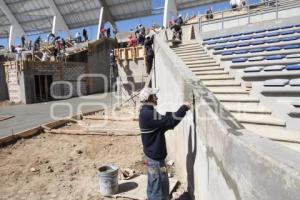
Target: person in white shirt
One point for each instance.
(235, 4)
(19, 52)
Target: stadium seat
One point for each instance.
(257, 42)
(226, 53)
(239, 60)
(222, 41)
(287, 32)
(253, 69)
(216, 38)
(256, 50)
(297, 31)
(211, 43)
(293, 67)
(276, 82)
(227, 36)
(272, 34)
(219, 48)
(260, 31)
(258, 36)
(289, 39)
(273, 29)
(275, 57)
(273, 49)
(241, 51)
(293, 56)
(295, 82)
(291, 46)
(244, 44)
(249, 33)
(297, 25)
(230, 46)
(233, 40)
(237, 34)
(286, 27)
(273, 40)
(274, 68)
(257, 58)
(207, 39)
(246, 38)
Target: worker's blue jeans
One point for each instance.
(158, 182)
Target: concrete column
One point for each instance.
(14, 33)
(59, 24)
(170, 11)
(103, 18)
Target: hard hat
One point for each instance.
(146, 92)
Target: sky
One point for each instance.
(126, 25)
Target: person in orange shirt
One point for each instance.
(132, 42)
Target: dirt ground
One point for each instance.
(56, 166)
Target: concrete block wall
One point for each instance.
(21, 80)
(214, 155)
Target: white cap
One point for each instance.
(179, 15)
(146, 92)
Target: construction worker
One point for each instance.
(149, 53)
(153, 127)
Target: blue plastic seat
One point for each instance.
(261, 31)
(222, 41)
(291, 46)
(211, 43)
(226, 53)
(297, 25)
(233, 40)
(207, 39)
(273, 48)
(293, 67)
(286, 27)
(241, 51)
(239, 60)
(219, 48)
(258, 36)
(256, 50)
(273, 40)
(230, 46)
(244, 44)
(249, 33)
(297, 31)
(257, 42)
(289, 38)
(227, 36)
(273, 29)
(216, 38)
(287, 32)
(237, 34)
(246, 38)
(272, 34)
(275, 57)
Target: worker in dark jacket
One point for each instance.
(153, 127)
(149, 52)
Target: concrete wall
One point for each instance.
(3, 85)
(98, 65)
(214, 155)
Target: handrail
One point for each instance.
(279, 5)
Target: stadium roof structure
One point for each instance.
(40, 16)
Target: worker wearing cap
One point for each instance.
(153, 126)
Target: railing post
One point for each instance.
(277, 10)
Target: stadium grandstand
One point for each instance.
(72, 108)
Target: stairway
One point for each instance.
(245, 108)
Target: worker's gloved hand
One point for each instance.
(188, 104)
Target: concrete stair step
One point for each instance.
(220, 72)
(216, 77)
(236, 98)
(202, 65)
(258, 119)
(188, 44)
(221, 83)
(191, 53)
(253, 109)
(206, 69)
(189, 49)
(207, 61)
(229, 90)
(188, 56)
(197, 59)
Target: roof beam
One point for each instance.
(16, 30)
(59, 23)
(108, 14)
